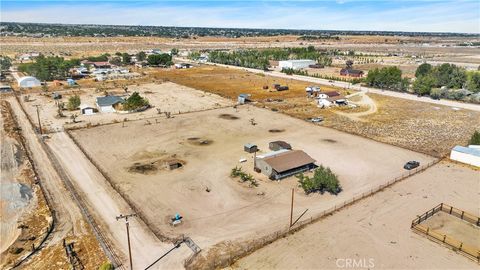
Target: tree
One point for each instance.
(349, 64)
(73, 103)
(324, 60)
(126, 58)
(423, 85)
(135, 101)
(116, 61)
(159, 59)
(174, 51)
(473, 82)
(141, 56)
(423, 70)
(48, 68)
(5, 62)
(475, 140)
(323, 180)
(387, 78)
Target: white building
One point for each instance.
(296, 64)
(107, 104)
(468, 155)
(28, 81)
(87, 109)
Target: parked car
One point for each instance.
(411, 165)
(316, 119)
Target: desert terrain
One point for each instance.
(378, 228)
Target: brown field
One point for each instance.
(209, 144)
(424, 127)
(378, 228)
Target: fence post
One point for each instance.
(441, 206)
(428, 229)
(463, 212)
(451, 208)
(460, 247)
(444, 237)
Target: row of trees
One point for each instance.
(49, 68)
(445, 75)
(387, 78)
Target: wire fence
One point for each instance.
(457, 245)
(241, 249)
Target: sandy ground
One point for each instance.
(231, 210)
(167, 97)
(378, 228)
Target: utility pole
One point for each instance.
(291, 209)
(128, 235)
(38, 118)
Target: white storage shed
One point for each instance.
(296, 64)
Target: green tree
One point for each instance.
(475, 140)
(141, 56)
(48, 68)
(323, 180)
(159, 59)
(73, 103)
(5, 62)
(174, 51)
(423, 85)
(423, 70)
(473, 82)
(135, 101)
(116, 61)
(126, 58)
(387, 78)
(106, 266)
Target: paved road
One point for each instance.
(450, 103)
(106, 204)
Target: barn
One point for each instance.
(284, 163)
(296, 64)
(468, 155)
(28, 81)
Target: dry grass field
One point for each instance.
(424, 127)
(209, 144)
(378, 228)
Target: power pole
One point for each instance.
(291, 209)
(38, 118)
(128, 235)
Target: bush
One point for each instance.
(135, 101)
(244, 177)
(73, 103)
(106, 266)
(323, 180)
(475, 140)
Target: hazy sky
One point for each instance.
(435, 16)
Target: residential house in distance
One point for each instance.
(284, 163)
(351, 72)
(327, 99)
(109, 103)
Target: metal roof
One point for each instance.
(467, 150)
(288, 160)
(109, 100)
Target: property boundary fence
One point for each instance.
(103, 241)
(465, 249)
(240, 249)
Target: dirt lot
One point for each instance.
(456, 228)
(424, 127)
(209, 144)
(167, 97)
(378, 228)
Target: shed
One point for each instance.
(28, 81)
(296, 64)
(351, 72)
(5, 88)
(284, 163)
(250, 148)
(468, 155)
(243, 98)
(278, 145)
(108, 103)
(87, 109)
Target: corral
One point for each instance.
(378, 228)
(216, 207)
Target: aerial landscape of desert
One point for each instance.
(237, 143)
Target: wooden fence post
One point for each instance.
(444, 237)
(461, 245)
(428, 229)
(451, 208)
(463, 212)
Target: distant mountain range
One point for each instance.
(46, 29)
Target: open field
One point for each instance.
(167, 97)
(378, 228)
(209, 144)
(429, 128)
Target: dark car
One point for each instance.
(411, 165)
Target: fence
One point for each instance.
(465, 249)
(241, 249)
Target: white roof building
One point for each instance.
(28, 81)
(468, 155)
(296, 64)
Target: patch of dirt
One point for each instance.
(228, 116)
(276, 130)
(147, 168)
(329, 140)
(200, 141)
(153, 166)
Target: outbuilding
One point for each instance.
(250, 148)
(5, 88)
(351, 72)
(108, 103)
(243, 98)
(28, 81)
(284, 163)
(87, 109)
(468, 155)
(296, 64)
(279, 145)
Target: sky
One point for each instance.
(460, 16)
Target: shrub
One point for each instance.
(323, 180)
(73, 103)
(135, 101)
(475, 140)
(106, 266)
(244, 177)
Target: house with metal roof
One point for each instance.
(468, 155)
(109, 103)
(284, 163)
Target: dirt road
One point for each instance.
(105, 204)
(67, 213)
(451, 103)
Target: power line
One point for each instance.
(121, 216)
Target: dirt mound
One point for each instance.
(145, 168)
(199, 141)
(329, 140)
(228, 116)
(274, 130)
